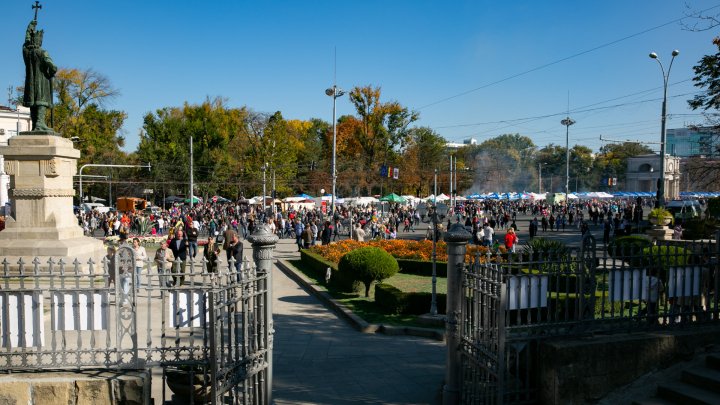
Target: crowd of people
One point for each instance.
(312, 226)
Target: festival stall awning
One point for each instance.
(393, 198)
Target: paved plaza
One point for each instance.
(321, 359)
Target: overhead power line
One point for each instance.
(535, 69)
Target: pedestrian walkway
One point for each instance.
(320, 359)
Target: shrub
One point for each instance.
(698, 228)
(318, 265)
(422, 268)
(368, 264)
(391, 300)
(541, 247)
(625, 247)
(659, 214)
(664, 257)
(713, 207)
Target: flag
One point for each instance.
(383, 171)
(396, 173)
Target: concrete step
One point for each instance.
(703, 377)
(713, 361)
(687, 394)
(653, 401)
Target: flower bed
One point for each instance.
(398, 248)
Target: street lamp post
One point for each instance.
(540, 165)
(434, 216)
(666, 75)
(264, 206)
(334, 92)
(567, 122)
(192, 185)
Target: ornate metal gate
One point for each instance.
(208, 330)
(482, 329)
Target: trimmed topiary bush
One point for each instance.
(318, 265)
(368, 264)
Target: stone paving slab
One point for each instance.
(321, 359)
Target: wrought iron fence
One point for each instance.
(511, 302)
(209, 328)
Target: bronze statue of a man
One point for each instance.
(39, 73)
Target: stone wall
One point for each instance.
(579, 371)
(79, 388)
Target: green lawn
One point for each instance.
(366, 308)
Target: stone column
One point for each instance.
(42, 223)
(456, 239)
(263, 243)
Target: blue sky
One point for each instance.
(278, 55)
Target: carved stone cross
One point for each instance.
(36, 7)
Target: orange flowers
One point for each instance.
(398, 248)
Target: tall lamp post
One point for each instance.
(540, 165)
(665, 75)
(334, 92)
(434, 215)
(567, 122)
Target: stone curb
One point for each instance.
(345, 313)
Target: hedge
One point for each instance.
(422, 267)
(318, 265)
(391, 300)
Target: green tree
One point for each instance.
(612, 159)
(705, 171)
(500, 163)
(79, 113)
(384, 127)
(215, 130)
(424, 152)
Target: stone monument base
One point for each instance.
(42, 224)
(660, 232)
(83, 249)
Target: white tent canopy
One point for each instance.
(361, 200)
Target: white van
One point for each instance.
(684, 209)
(87, 207)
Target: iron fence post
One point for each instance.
(456, 239)
(263, 243)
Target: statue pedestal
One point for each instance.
(660, 232)
(43, 225)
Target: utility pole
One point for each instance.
(191, 171)
(264, 169)
(567, 122)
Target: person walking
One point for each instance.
(179, 248)
(163, 261)
(192, 238)
(511, 240)
(359, 233)
(141, 257)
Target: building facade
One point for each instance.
(692, 142)
(12, 121)
(643, 173)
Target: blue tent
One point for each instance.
(305, 196)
